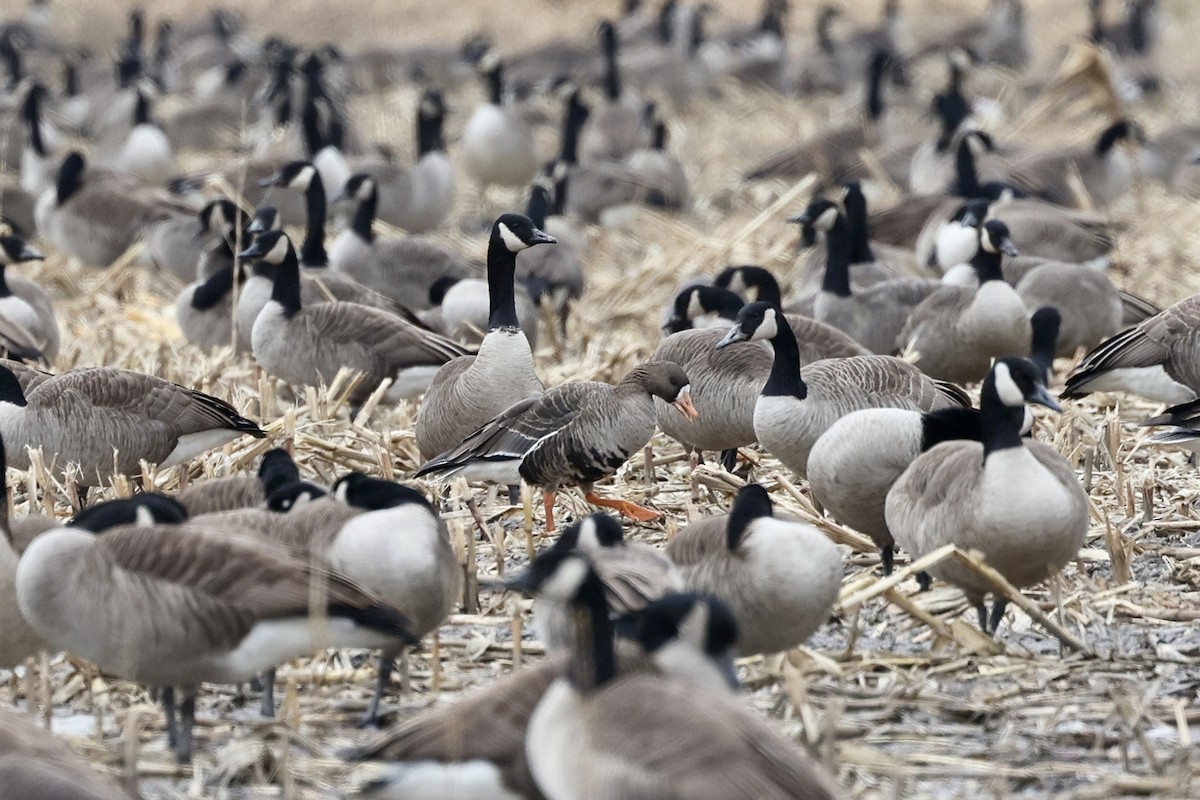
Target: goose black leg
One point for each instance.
(981, 609)
(187, 719)
(729, 459)
(998, 607)
(387, 662)
(268, 693)
(167, 698)
(887, 557)
(514, 494)
(924, 581)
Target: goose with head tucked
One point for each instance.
(597, 733)
(957, 331)
(469, 391)
(797, 405)
(1016, 501)
(308, 345)
(1105, 168)
(82, 416)
(780, 576)
(572, 435)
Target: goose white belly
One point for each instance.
(191, 445)
(253, 297)
(433, 185)
(1152, 383)
(554, 742)
(147, 155)
(997, 323)
(497, 147)
(275, 641)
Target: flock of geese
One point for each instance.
(851, 369)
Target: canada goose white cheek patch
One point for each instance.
(511, 240)
(303, 178)
(769, 327)
(566, 580)
(1010, 394)
(278, 251)
(694, 309)
(826, 219)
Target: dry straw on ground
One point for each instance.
(1090, 692)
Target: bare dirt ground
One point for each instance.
(899, 694)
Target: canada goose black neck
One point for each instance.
(1000, 424)
(141, 109)
(752, 503)
(948, 425)
(1045, 323)
(70, 78)
(32, 111)
(538, 205)
(659, 139)
(4, 290)
(70, 177)
(860, 228)
(495, 79)
(364, 215)
(1121, 129)
(574, 116)
(312, 252)
(879, 64)
(10, 388)
(594, 663)
(1139, 29)
(213, 290)
(429, 126)
(666, 21)
(824, 36)
(310, 128)
(785, 380)
(12, 58)
(501, 270)
(285, 288)
(966, 176)
(612, 69)
(838, 254)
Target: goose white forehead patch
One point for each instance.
(1010, 394)
(566, 579)
(511, 240)
(826, 219)
(303, 177)
(278, 251)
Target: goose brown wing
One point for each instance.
(394, 340)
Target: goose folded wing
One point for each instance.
(16, 340)
(398, 342)
(29, 377)
(634, 576)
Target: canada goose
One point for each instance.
(1017, 502)
(779, 576)
(18, 641)
(597, 734)
(930, 169)
(660, 174)
(1135, 35)
(240, 491)
(84, 415)
(144, 151)
(833, 152)
(633, 575)
(1000, 36)
(615, 128)
(468, 392)
(873, 315)
(967, 183)
(818, 68)
(1105, 168)
(306, 346)
(403, 268)
(957, 331)
(1088, 303)
(1155, 359)
(222, 220)
(572, 435)
(25, 303)
(204, 312)
(1043, 347)
(119, 600)
(425, 195)
(92, 220)
(553, 276)
(37, 765)
(702, 306)
(38, 163)
(497, 144)
(797, 405)
(685, 637)
(461, 308)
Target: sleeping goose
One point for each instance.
(779, 576)
(1105, 168)
(22, 301)
(240, 491)
(84, 415)
(685, 637)
(957, 331)
(497, 144)
(174, 606)
(598, 734)
(1089, 305)
(37, 765)
(469, 391)
(307, 345)
(572, 435)
(1017, 502)
(797, 405)
(1156, 359)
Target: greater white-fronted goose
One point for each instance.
(779, 576)
(1017, 502)
(468, 392)
(307, 345)
(82, 416)
(572, 435)
(797, 404)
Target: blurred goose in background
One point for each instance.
(23, 302)
(1105, 168)
(572, 435)
(39, 158)
(1016, 501)
(419, 198)
(144, 150)
(616, 126)
(497, 144)
(552, 276)
(37, 765)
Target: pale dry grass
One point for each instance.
(900, 696)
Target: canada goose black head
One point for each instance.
(822, 214)
(973, 213)
(270, 247)
(994, 237)
(359, 188)
(70, 176)
(751, 282)
(516, 232)
(592, 533)
(755, 322)
(293, 495)
(1122, 130)
(266, 218)
(431, 113)
(363, 491)
(702, 622)
(1017, 381)
(276, 469)
(144, 510)
(695, 302)
(14, 250)
(220, 216)
(297, 175)
(752, 503)
(559, 575)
